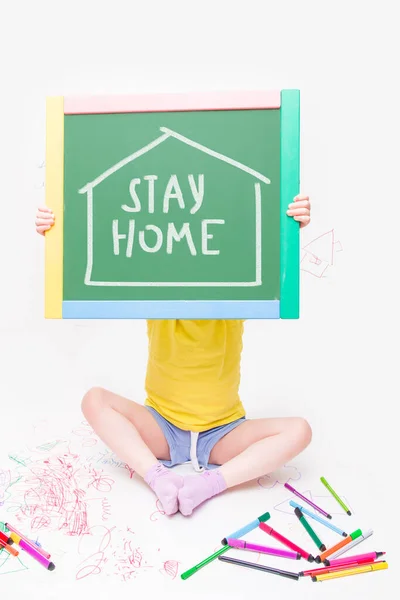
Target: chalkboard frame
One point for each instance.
(287, 307)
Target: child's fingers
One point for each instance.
(45, 215)
(48, 222)
(43, 222)
(301, 198)
(295, 212)
(300, 204)
(42, 229)
(303, 220)
(44, 209)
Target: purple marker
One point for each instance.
(315, 507)
(262, 549)
(35, 554)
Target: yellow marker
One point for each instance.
(15, 538)
(55, 201)
(378, 566)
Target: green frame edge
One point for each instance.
(290, 187)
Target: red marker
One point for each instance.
(5, 539)
(285, 541)
(323, 570)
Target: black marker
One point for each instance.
(243, 563)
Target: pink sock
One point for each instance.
(165, 484)
(198, 488)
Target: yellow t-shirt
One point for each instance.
(193, 372)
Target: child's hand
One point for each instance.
(300, 210)
(44, 220)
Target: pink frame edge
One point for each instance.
(85, 105)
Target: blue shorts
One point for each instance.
(187, 446)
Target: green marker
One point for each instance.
(334, 494)
(309, 529)
(204, 562)
(225, 547)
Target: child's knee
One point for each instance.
(92, 401)
(303, 432)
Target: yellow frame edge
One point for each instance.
(55, 201)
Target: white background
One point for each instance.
(337, 366)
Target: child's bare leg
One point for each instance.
(257, 447)
(252, 449)
(131, 431)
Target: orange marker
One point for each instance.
(9, 548)
(339, 545)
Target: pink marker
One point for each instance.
(262, 549)
(23, 537)
(315, 507)
(357, 558)
(50, 566)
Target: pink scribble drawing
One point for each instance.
(159, 511)
(130, 471)
(88, 443)
(55, 486)
(93, 564)
(51, 493)
(109, 551)
(87, 433)
(85, 430)
(42, 522)
(285, 474)
(106, 509)
(100, 482)
(5, 481)
(170, 568)
(318, 255)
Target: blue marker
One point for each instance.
(247, 528)
(317, 518)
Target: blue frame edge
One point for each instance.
(173, 309)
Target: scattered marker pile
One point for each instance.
(13, 536)
(333, 566)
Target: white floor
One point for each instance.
(104, 529)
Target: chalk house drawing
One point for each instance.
(89, 190)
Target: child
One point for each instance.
(193, 410)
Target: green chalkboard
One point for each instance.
(152, 211)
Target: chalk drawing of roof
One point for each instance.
(168, 133)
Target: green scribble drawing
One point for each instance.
(8, 566)
(19, 460)
(49, 445)
(14, 482)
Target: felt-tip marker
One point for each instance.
(243, 563)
